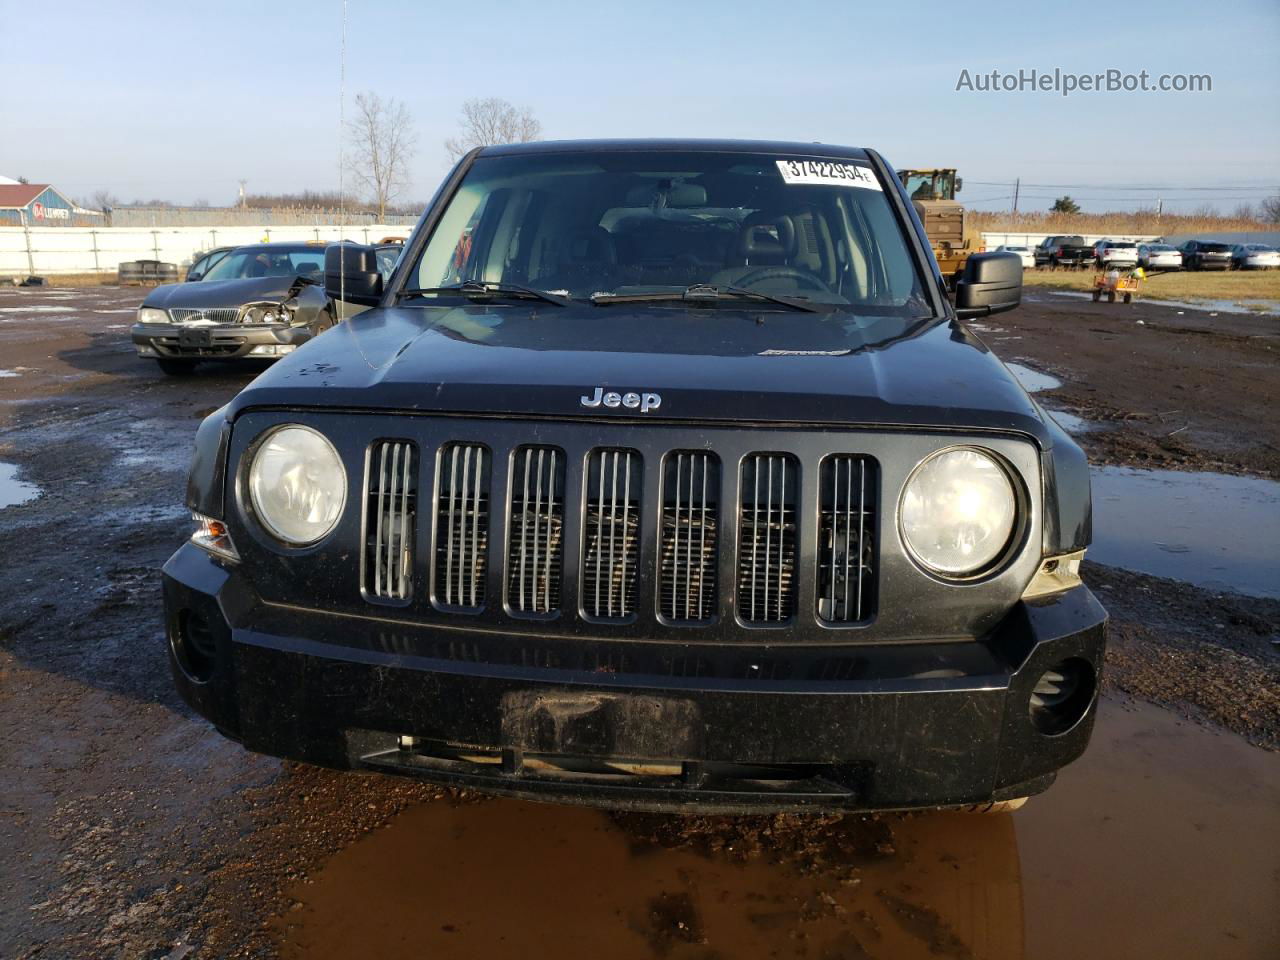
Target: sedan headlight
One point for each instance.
(297, 485)
(958, 512)
(266, 313)
(152, 315)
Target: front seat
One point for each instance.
(765, 240)
(590, 259)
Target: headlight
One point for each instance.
(297, 485)
(958, 511)
(266, 313)
(152, 315)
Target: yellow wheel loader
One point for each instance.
(933, 194)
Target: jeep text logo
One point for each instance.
(644, 402)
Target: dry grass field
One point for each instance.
(1233, 285)
(1136, 222)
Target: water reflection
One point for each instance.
(1154, 844)
(12, 490)
(1210, 529)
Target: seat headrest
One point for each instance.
(766, 239)
(594, 246)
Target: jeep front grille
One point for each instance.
(536, 532)
(690, 493)
(767, 537)
(611, 546)
(390, 516)
(462, 525)
(845, 539)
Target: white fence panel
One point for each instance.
(48, 251)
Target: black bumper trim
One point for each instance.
(883, 739)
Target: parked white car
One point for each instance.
(1254, 256)
(1025, 254)
(1159, 256)
(1115, 253)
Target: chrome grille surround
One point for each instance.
(767, 533)
(846, 539)
(687, 561)
(535, 535)
(391, 497)
(611, 532)
(462, 526)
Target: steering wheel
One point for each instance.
(803, 277)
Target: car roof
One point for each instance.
(283, 245)
(780, 147)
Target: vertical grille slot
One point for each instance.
(611, 545)
(536, 529)
(391, 506)
(770, 483)
(462, 525)
(690, 495)
(846, 543)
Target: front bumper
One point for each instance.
(231, 341)
(900, 726)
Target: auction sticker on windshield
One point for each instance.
(826, 172)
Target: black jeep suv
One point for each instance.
(661, 475)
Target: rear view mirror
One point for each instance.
(351, 274)
(991, 283)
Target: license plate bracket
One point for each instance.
(194, 338)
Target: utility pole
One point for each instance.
(1017, 183)
(244, 202)
(1159, 206)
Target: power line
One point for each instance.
(1095, 186)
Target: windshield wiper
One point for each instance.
(709, 293)
(489, 288)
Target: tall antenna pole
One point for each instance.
(342, 200)
(244, 201)
(1016, 185)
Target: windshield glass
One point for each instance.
(586, 225)
(1160, 248)
(269, 262)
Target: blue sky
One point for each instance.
(180, 101)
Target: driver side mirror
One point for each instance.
(351, 274)
(194, 277)
(991, 283)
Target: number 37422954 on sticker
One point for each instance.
(827, 173)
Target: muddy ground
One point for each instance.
(131, 830)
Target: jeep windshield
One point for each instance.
(673, 230)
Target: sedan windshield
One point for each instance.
(306, 261)
(723, 229)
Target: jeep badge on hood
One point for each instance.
(644, 402)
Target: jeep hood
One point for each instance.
(708, 365)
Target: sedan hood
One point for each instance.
(220, 293)
(719, 364)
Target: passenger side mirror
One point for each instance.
(351, 274)
(991, 283)
(193, 277)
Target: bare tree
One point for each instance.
(103, 200)
(382, 141)
(1270, 210)
(492, 120)
(1244, 211)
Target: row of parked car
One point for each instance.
(1072, 251)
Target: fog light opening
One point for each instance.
(1062, 696)
(193, 645)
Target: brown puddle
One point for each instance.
(1161, 842)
